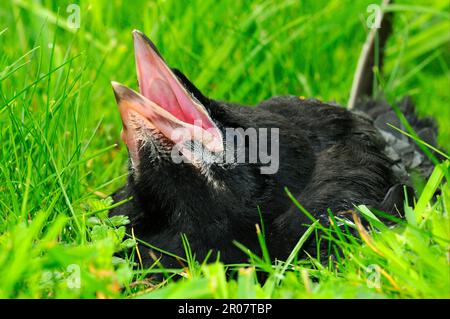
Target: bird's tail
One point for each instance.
(404, 152)
(406, 155)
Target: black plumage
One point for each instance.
(330, 158)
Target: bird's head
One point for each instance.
(176, 137)
(165, 116)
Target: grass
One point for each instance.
(61, 154)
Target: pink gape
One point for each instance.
(164, 104)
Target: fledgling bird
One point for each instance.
(329, 157)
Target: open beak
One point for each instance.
(163, 103)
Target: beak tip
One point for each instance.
(124, 93)
(116, 86)
(142, 43)
(137, 33)
(118, 90)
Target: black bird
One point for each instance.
(329, 157)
